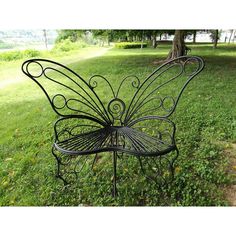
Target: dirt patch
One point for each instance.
(231, 195)
(230, 191)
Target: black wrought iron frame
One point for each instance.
(113, 128)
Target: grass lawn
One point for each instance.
(206, 129)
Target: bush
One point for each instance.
(15, 55)
(66, 45)
(126, 45)
(10, 56)
(31, 53)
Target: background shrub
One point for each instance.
(10, 56)
(15, 55)
(66, 45)
(30, 53)
(126, 45)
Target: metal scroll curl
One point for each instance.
(59, 101)
(132, 79)
(116, 108)
(93, 82)
(35, 69)
(191, 66)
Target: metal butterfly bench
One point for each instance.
(132, 121)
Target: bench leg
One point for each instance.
(58, 175)
(159, 169)
(114, 191)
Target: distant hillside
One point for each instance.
(20, 39)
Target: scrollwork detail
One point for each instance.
(191, 62)
(116, 108)
(168, 103)
(135, 82)
(93, 82)
(31, 71)
(59, 98)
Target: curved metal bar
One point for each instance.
(159, 105)
(80, 111)
(135, 84)
(201, 66)
(94, 85)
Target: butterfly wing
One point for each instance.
(159, 93)
(75, 136)
(68, 93)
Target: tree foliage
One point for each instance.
(72, 35)
(152, 37)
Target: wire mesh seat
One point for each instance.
(133, 121)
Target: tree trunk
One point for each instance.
(194, 36)
(234, 35)
(154, 40)
(231, 33)
(142, 40)
(178, 46)
(45, 38)
(216, 39)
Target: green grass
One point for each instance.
(205, 117)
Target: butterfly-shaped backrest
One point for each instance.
(72, 96)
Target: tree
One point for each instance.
(151, 35)
(178, 45)
(191, 33)
(103, 36)
(194, 36)
(231, 34)
(121, 35)
(154, 38)
(234, 35)
(214, 37)
(72, 35)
